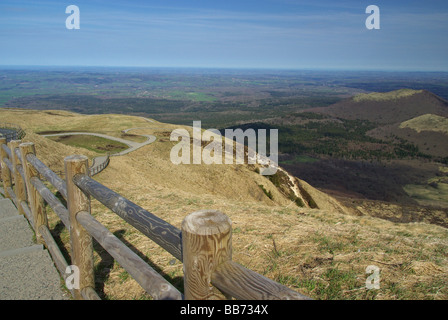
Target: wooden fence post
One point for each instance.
(80, 239)
(6, 173)
(34, 198)
(206, 243)
(19, 184)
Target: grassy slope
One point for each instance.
(386, 96)
(437, 189)
(92, 143)
(320, 252)
(427, 122)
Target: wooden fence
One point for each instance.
(11, 131)
(204, 243)
(94, 170)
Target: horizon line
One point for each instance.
(226, 68)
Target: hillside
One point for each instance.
(427, 122)
(216, 180)
(322, 252)
(389, 107)
(428, 132)
(389, 146)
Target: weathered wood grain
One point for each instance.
(28, 213)
(7, 150)
(206, 243)
(34, 199)
(246, 284)
(19, 179)
(80, 239)
(12, 195)
(6, 172)
(147, 277)
(48, 174)
(56, 254)
(158, 230)
(89, 293)
(17, 151)
(9, 165)
(22, 174)
(52, 200)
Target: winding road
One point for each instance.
(131, 144)
(99, 161)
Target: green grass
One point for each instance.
(438, 192)
(92, 143)
(124, 275)
(333, 284)
(267, 193)
(327, 244)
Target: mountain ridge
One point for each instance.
(387, 108)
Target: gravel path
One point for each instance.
(27, 271)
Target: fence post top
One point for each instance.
(25, 144)
(75, 158)
(207, 222)
(27, 148)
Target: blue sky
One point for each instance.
(287, 34)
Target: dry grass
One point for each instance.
(322, 252)
(384, 96)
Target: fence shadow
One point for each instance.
(177, 282)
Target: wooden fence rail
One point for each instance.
(204, 244)
(158, 230)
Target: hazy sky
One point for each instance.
(227, 33)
